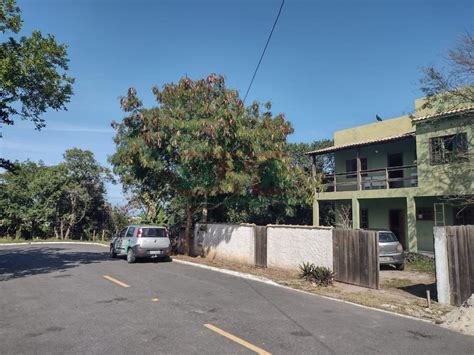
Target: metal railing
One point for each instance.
(372, 179)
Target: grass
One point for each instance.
(10, 240)
(396, 283)
(420, 263)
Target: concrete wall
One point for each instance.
(442, 271)
(290, 246)
(232, 242)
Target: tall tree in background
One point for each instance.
(294, 203)
(32, 72)
(65, 200)
(200, 144)
(449, 88)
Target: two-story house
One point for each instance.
(405, 174)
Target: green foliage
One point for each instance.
(419, 262)
(293, 205)
(66, 200)
(319, 275)
(32, 71)
(200, 146)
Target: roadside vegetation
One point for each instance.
(201, 154)
(419, 262)
(64, 201)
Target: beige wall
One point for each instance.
(376, 130)
(288, 247)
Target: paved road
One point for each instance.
(55, 299)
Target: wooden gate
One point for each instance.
(460, 245)
(261, 246)
(356, 257)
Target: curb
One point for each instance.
(45, 243)
(273, 283)
(230, 272)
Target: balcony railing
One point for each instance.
(372, 179)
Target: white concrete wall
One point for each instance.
(441, 259)
(232, 242)
(290, 246)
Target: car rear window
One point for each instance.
(387, 237)
(153, 233)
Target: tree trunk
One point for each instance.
(188, 240)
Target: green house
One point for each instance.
(405, 174)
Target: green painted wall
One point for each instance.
(386, 128)
(433, 180)
(377, 156)
(453, 178)
(424, 229)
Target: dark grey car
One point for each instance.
(390, 250)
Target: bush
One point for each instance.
(320, 275)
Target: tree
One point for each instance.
(293, 205)
(450, 89)
(453, 87)
(201, 145)
(33, 73)
(67, 200)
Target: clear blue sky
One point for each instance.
(330, 65)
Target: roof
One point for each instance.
(444, 114)
(363, 143)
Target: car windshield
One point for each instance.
(153, 233)
(387, 237)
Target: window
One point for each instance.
(351, 166)
(130, 232)
(122, 232)
(464, 216)
(387, 237)
(364, 218)
(424, 214)
(448, 149)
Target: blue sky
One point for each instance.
(330, 64)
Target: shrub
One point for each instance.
(320, 275)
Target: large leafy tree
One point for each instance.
(294, 204)
(66, 200)
(33, 72)
(200, 144)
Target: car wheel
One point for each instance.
(400, 267)
(112, 252)
(131, 256)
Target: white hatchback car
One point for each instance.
(141, 241)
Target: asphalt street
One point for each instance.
(74, 299)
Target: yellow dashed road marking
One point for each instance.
(242, 342)
(116, 281)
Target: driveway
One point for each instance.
(74, 299)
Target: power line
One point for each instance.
(264, 49)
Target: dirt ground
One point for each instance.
(402, 292)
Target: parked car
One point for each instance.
(390, 250)
(141, 241)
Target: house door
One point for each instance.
(397, 225)
(394, 160)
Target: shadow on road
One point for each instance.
(22, 262)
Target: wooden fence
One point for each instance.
(356, 257)
(460, 250)
(261, 246)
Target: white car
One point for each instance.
(141, 241)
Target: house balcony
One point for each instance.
(372, 179)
